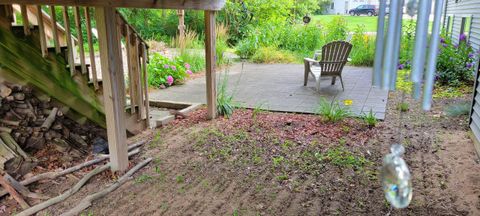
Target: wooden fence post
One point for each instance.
(210, 64)
(113, 85)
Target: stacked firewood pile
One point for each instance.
(33, 124)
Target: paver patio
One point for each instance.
(279, 87)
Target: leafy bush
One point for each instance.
(247, 48)
(332, 111)
(272, 55)
(455, 62)
(298, 39)
(458, 109)
(163, 71)
(336, 29)
(363, 51)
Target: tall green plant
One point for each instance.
(363, 51)
(225, 105)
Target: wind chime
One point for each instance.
(395, 174)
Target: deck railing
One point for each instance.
(133, 47)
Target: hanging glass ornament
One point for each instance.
(412, 6)
(396, 179)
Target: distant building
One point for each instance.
(342, 7)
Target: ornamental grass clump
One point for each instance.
(456, 62)
(225, 105)
(332, 111)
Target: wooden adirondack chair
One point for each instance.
(333, 58)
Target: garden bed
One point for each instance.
(289, 164)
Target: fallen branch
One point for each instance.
(13, 193)
(53, 175)
(22, 189)
(36, 208)
(87, 201)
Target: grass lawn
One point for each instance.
(370, 23)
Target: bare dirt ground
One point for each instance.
(260, 163)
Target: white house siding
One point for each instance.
(468, 8)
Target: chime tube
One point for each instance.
(389, 47)
(432, 57)
(421, 40)
(396, 53)
(377, 67)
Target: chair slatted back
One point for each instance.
(334, 56)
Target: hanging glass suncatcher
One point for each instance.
(396, 179)
(395, 174)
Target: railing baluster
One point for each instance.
(145, 83)
(41, 28)
(68, 35)
(26, 23)
(93, 67)
(78, 26)
(131, 80)
(56, 42)
(138, 78)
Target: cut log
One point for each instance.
(50, 119)
(8, 139)
(6, 154)
(5, 91)
(87, 201)
(11, 123)
(5, 129)
(19, 96)
(13, 193)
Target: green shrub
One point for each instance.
(272, 55)
(363, 51)
(166, 72)
(456, 62)
(458, 109)
(246, 48)
(369, 119)
(300, 38)
(332, 111)
(336, 29)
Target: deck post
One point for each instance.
(210, 64)
(113, 82)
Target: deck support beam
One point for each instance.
(113, 86)
(210, 64)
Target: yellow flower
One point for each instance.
(348, 102)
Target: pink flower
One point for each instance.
(187, 66)
(189, 72)
(170, 80)
(174, 68)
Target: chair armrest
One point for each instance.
(310, 60)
